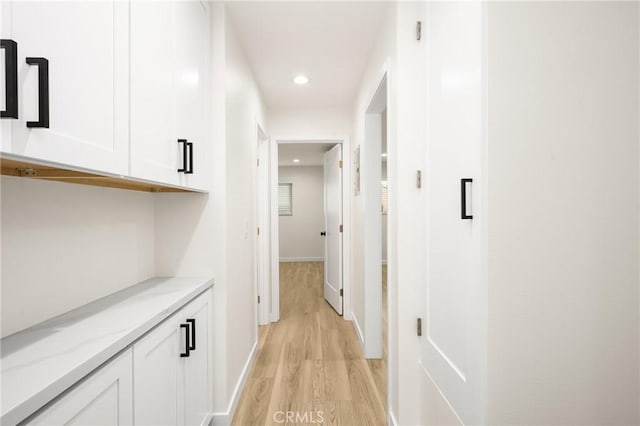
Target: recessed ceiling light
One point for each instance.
(301, 79)
(384, 154)
(296, 160)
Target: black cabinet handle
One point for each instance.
(323, 234)
(11, 79)
(189, 171)
(184, 155)
(187, 346)
(43, 92)
(192, 321)
(463, 199)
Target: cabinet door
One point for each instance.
(86, 45)
(104, 398)
(197, 372)
(191, 33)
(168, 91)
(155, 152)
(157, 375)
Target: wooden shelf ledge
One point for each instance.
(30, 169)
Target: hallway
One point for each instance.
(310, 362)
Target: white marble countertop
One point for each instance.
(39, 363)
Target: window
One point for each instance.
(285, 199)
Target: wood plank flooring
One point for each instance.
(310, 363)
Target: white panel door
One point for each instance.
(86, 45)
(155, 152)
(191, 34)
(197, 374)
(103, 398)
(455, 333)
(157, 375)
(333, 223)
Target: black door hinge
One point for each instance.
(341, 292)
(419, 327)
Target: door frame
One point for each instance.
(346, 220)
(371, 173)
(262, 252)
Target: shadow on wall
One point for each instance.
(179, 218)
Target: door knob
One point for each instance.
(323, 233)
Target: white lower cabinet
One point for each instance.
(164, 378)
(171, 369)
(103, 398)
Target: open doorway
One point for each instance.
(304, 233)
(309, 227)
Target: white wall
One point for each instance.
(215, 233)
(299, 235)
(64, 245)
(309, 123)
(563, 212)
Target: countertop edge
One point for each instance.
(40, 399)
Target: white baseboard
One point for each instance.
(302, 259)
(224, 419)
(356, 327)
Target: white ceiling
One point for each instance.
(309, 154)
(328, 41)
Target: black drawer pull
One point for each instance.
(11, 79)
(184, 155)
(192, 321)
(189, 171)
(463, 199)
(43, 92)
(187, 346)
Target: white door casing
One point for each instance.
(263, 253)
(333, 227)
(275, 141)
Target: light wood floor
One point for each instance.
(310, 362)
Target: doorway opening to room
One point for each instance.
(308, 215)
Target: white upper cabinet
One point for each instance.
(168, 92)
(80, 51)
(110, 86)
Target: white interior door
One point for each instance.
(333, 224)
(455, 338)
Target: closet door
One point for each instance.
(454, 333)
(72, 60)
